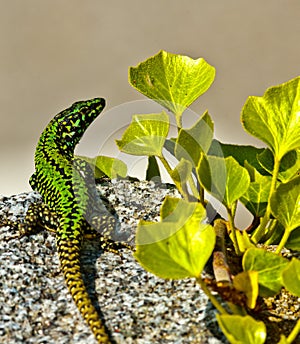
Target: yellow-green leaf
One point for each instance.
(225, 179)
(291, 277)
(191, 142)
(146, 135)
(247, 282)
(275, 117)
(242, 329)
(106, 166)
(172, 80)
(269, 267)
(180, 245)
(285, 204)
(182, 171)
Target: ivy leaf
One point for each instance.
(247, 282)
(293, 242)
(241, 153)
(112, 167)
(174, 81)
(269, 267)
(146, 135)
(242, 329)
(170, 210)
(285, 204)
(243, 240)
(106, 166)
(289, 164)
(170, 145)
(255, 199)
(182, 171)
(192, 142)
(214, 182)
(274, 118)
(291, 277)
(225, 179)
(153, 172)
(180, 245)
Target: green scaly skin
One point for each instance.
(69, 198)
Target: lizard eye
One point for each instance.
(85, 110)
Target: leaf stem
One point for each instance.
(201, 191)
(261, 229)
(193, 187)
(178, 117)
(283, 240)
(232, 229)
(211, 297)
(271, 229)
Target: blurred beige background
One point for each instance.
(55, 52)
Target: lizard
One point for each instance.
(70, 206)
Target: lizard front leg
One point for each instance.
(38, 216)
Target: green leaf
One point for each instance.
(180, 245)
(247, 282)
(285, 204)
(277, 232)
(153, 172)
(269, 267)
(192, 142)
(242, 329)
(170, 210)
(293, 242)
(242, 239)
(174, 81)
(274, 118)
(256, 197)
(291, 277)
(212, 175)
(225, 179)
(289, 165)
(170, 145)
(106, 166)
(146, 135)
(112, 167)
(266, 160)
(182, 171)
(92, 162)
(240, 153)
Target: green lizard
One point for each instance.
(70, 204)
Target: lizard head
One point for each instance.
(73, 122)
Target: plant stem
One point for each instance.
(232, 229)
(177, 184)
(261, 229)
(283, 240)
(201, 191)
(271, 230)
(292, 336)
(193, 187)
(178, 117)
(211, 297)
(202, 199)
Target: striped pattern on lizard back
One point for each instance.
(69, 200)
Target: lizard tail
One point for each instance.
(69, 255)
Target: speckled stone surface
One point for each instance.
(137, 307)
